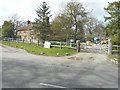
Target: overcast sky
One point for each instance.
(26, 8)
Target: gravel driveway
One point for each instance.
(83, 70)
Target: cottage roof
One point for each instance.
(27, 27)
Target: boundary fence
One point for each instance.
(111, 47)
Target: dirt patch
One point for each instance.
(76, 58)
(90, 58)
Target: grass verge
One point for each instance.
(112, 56)
(34, 49)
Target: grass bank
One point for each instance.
(116, 55)
(33, 48)
(112, 56)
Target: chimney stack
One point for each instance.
(28, 22)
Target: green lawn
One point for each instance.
(33, 48)
(112, 56)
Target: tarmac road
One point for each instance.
(83, 70)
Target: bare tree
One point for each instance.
(94, 28)
(17, 22)
(90, 25)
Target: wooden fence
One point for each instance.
(116, 51)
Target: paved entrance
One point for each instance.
(23, 70)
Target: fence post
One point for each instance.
(23, 40)
(78, 45)
(109, 46)
(60, 44)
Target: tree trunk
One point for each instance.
(75, 34)
(38, 42)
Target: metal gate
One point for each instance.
(94, 48)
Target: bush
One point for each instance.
(115, 39)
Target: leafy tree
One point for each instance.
(7, 29)
(113, 28)
(76, 12)
(43, 26)
(0, 31)
(61, 28)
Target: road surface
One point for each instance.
(83, 70)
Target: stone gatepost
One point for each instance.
(109, 46)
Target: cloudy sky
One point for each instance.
(26, 8)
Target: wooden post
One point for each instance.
(78, 45)
(60, 44)
(38, 42)
(23, 40)
(30, 41)
(109, 46)
(70, 44)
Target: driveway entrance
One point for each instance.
(23, 70)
